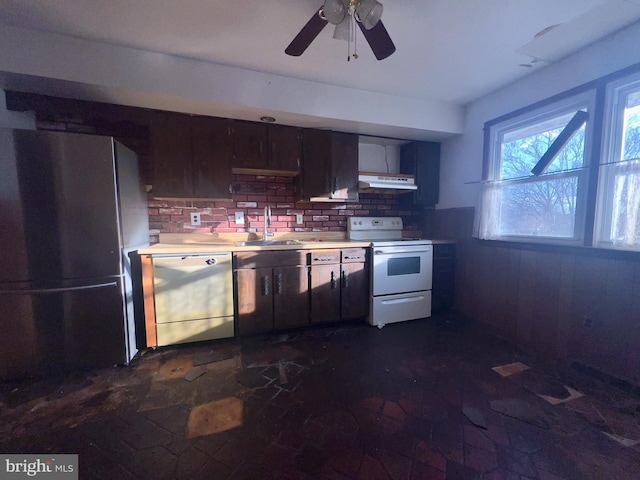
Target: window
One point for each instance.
(618, 215)
(548, 205)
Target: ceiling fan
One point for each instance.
(344, 14)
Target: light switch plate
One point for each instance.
(299, 219)
(239, 218)
(195, 218)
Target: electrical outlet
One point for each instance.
(195, 218)
(299, 219)
(239, 218)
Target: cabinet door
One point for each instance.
(428, 174)
(355, 290)
(285, 148)
(171, 155)
(444, 266)
(249, 145)
(325, 293)
(344, 179)
(290, 297)
(316, 164)
(422, 159)
(255, 300)
(212, 157)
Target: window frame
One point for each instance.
(593, 244)
(616, 93)
(495, 132)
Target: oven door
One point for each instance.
(402, 269)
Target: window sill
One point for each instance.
(596, 252)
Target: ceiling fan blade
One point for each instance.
(379, 40)
(308, 33)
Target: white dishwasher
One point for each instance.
(193, 297)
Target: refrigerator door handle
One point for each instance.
(35, 291)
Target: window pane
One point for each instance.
(619, 196)
(631, 133)
(542, 208)
(523, 148)
(625, 223)
(549, 206)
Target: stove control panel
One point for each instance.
(374, 223)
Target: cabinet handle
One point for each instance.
(279, 283)
(352, 258)
(230, 188)
(335, 184)
(322, 259)
(266, 287)
(333, 280)
(345, 278)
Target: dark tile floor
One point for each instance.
(415, 400)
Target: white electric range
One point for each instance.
(401, 272)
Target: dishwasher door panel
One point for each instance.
(194, 287)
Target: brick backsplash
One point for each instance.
(254, 192)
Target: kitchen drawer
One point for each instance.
(194, 330)
(414, 305)
(259, 259)
(354, 255)
(324, 257)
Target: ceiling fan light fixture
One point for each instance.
(344, 31)
(369, 13)
(333, 11)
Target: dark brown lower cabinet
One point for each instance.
(288, 289)
(271, 291)
(324, 285)
(290, 297)
(255, 301)
(355, 291)
(444, 274)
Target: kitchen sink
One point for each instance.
(267, 243)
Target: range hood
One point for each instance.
(376, 182)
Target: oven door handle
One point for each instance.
(406, 252)
(416, 298)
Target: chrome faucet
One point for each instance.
(267, 223)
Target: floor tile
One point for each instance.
(214, 417)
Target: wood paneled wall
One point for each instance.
(574, 305)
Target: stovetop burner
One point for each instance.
(381, 231)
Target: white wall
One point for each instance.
(8, 119)
(378, 158)
(461, 157)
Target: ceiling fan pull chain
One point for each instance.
(350, 30)
(355, 39)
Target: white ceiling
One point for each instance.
(450, 51)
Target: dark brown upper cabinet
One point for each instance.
(191, 156)
(262, 148)
(422, 159)
(330, 166)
